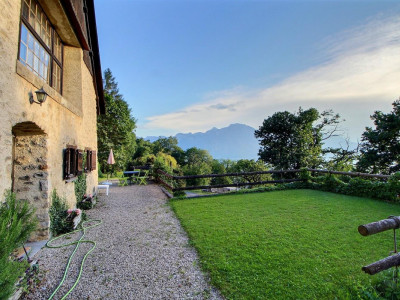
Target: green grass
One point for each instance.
(296, 244)
(201, 192)
(115, 176)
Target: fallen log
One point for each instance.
(379, 226)
(383, 264)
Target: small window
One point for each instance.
(41, 49)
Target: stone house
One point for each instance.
(50, 46)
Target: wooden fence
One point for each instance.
(171, 181)
(392, 222)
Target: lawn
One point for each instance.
(295, 244)
(114, 176)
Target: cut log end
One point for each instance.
(367, 270)
(363, 230)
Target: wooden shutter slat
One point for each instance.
(67, 156)
(73, 162)
(93, 161)
(88, 165)
(79, 162)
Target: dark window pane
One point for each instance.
(25, 10)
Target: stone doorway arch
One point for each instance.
(30, 172)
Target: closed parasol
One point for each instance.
(111, 159)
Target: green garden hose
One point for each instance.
(78, 242)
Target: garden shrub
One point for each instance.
(17, 222)
(179, 194)
(382, 287)
(305, 175)
(357, 186)
(87, 202)
(162, 162)
(58, 215)
(80, 187)
(200, 168)
(370, 188)
(100, 174)
(332, 184)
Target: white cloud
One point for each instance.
(361, 74)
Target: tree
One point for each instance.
(165, 162)
(293, 141)
(380, 147)
(143, 148)
(342, 158)
(217, 167)
(195, 156)
(166, 145)
(250, 165)
(197, 162)
(179, 155)
(115, 129)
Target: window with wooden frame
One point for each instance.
(41, 48)
(73, 162)
(91, 160)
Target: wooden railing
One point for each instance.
(171, 182)
(352, 174)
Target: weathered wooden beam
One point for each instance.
(165, 184)
(159, 171)
(379, 226)
(383, 264)
(235, 184)
(235, 174)
(355, 174)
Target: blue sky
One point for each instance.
(188, 66)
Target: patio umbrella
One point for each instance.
(110, 160)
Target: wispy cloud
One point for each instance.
(360, 74)
(220, 106)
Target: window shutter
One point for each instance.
(88, 164)
(79, 162)
(67, 156)
(93, 161)
(73, 161)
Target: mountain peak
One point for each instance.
(235, 141)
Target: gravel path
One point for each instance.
(142, 253)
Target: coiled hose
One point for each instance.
(78, 242)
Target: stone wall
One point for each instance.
(31, 177)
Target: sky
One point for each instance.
(191, 65)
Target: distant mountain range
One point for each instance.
(234, 142)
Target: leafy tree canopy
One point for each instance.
(217, 167)
(194, 156)
(143, 148)
(250, 165)
(294, 140)
(166, 145)
(115, 129)
(342, 158)
(380, 148)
